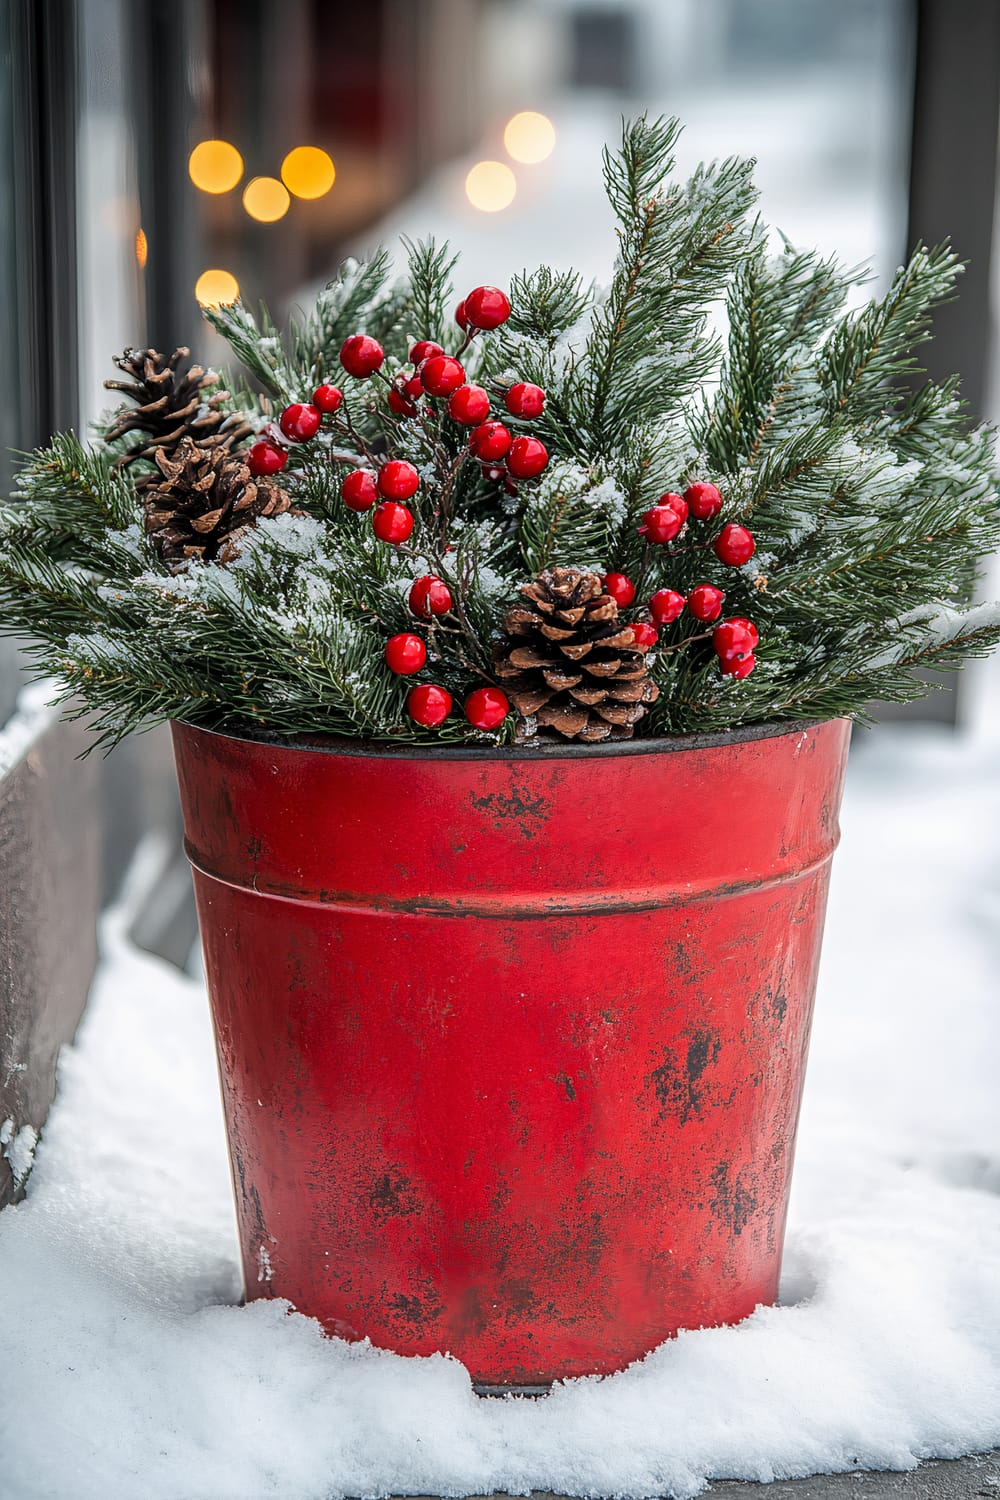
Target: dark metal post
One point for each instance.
(42, 62)
(953, 172)
(164, 109)
(952, 189)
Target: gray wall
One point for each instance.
(68, 828)
(51, 862)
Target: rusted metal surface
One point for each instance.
(512, 1046)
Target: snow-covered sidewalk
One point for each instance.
(126, 1371)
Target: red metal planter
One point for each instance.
(512, 1042)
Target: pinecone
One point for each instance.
(568, 662)
(170, 405)
(203, 501)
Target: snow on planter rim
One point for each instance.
(125, 1374)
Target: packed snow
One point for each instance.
(32, 715)
(130, 1371)
(18, 1147)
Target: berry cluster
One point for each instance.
(734, 640)
(429, 704)
(435, 386)
(384, 485)
(734, 545)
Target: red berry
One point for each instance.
(428, 705)
(398, 480)
(405, 653)
(300, 422)
(527, 457)
(486, 307)
(661, 524)
(666, 606)
(621, 589)
(266, 458)
(414, 388)
(645, 636)
(704, 501)
(486, 708)
(494, 473)
(677, 504)
(705, 602)
(392, 522)
(470, 404)
(359, 490)
(738, 666)
(361, 356)
(430, 596)
(490, 441)
(734, 545)
(327, 397)
(524, 400)
(460, 317)
(735, 637)
(400, 404)
(441, 374)
(424, 349)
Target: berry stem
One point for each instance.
(448, 489)
(702, 635)
(693, 547)
(343, 420)
(647, 553)
(470, 334)
(433, 435)
(458, 609)
(462, 661)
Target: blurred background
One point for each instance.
(155, 154)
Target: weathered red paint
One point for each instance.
(512, 1043)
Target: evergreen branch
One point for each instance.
(358, 299)
(76, 487)
(430, 268)
(876, 344)
(776, 310)
(647, 350)
(260, 348)
(42, 597)
(870, 501)
(547, 304)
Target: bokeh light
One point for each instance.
(266, 199)
(308, 172)
(529, 137)
(215, 288)
(215, 166)
(141, 248)
(490, 186)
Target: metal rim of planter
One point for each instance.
(666, 744)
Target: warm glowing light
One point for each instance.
(266, 199)
(215, 166)
(308, 172)
(141, 248)
(490, 186)
(529, 136)
(215, 288)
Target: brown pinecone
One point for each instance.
(171, 404)
(568, 662)
(203, 501)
